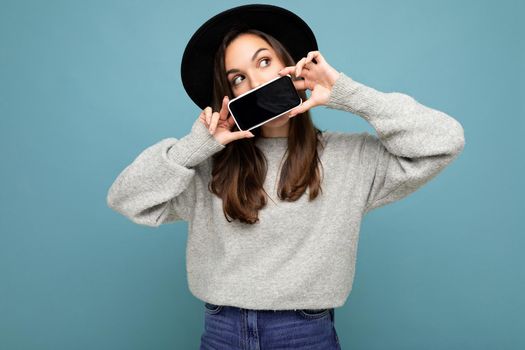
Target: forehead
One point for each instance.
(241, 49)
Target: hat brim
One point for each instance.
(198, 56)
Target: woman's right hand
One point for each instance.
(220, 124)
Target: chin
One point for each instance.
(281, 120)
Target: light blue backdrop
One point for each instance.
(85, 86)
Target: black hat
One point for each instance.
(197, 60)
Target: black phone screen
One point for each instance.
(264, 103)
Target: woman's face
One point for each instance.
(250, 61)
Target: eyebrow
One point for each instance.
(253, 58)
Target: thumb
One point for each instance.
(236, 135)
(303, 107)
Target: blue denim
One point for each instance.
(233, 328)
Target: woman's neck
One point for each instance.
(270, 132)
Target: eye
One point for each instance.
(233, 81)
(235, 78)
(266, 59)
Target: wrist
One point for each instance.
(332, 76)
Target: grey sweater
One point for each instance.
(300, 255)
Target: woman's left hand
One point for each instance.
(319, 77)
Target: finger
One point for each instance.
(303, 107)
(310, 57)
(302, 68)
(224, 109)
(236, 135)
(316, 57)
(299, 66)
(231, 121)
(204, 111)
(305, 74)
(300, 84)
(214, 119)
(207, 115)
(313, 56)
(287, 70)
(202, 117)
(223, 124)
(309, 60)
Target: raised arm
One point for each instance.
(159, 186)
(415, 142)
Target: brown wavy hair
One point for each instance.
(239, 170)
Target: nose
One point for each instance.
(256, 81)
(255, 84)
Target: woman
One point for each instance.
(271, 273)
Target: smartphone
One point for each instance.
(264, 103)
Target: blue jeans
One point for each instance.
(233, 328)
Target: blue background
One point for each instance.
(85, 86)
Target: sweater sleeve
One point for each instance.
(414, 142)
(159, 186)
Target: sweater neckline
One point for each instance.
(272, 140)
